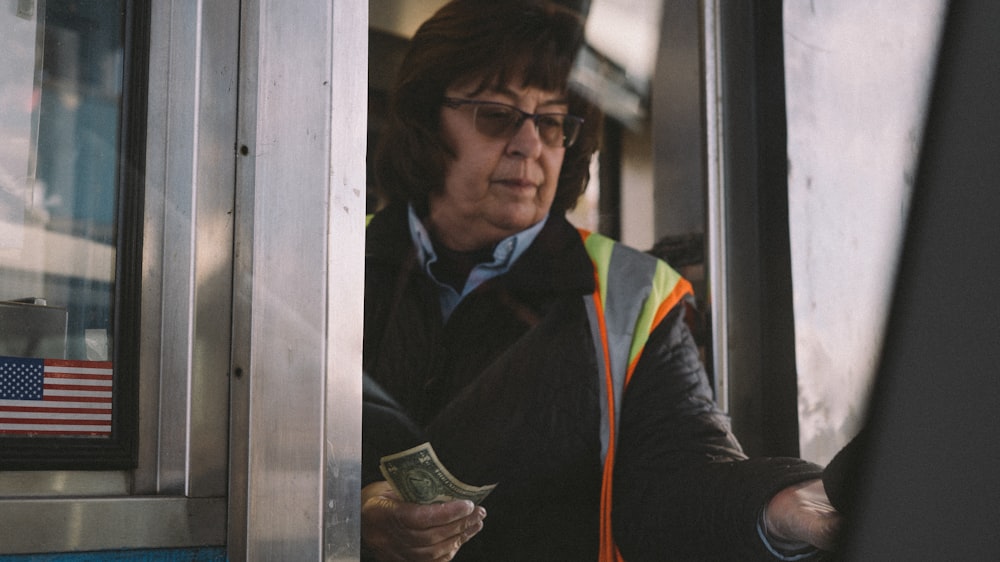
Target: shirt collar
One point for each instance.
(506, 252)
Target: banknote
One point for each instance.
(419, 477)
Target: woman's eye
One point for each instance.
(553, 121)
(495, 113)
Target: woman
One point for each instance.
(479, 338)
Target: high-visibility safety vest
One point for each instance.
(633, 292)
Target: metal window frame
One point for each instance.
(749, 255)
(175, 497)
(295, 473)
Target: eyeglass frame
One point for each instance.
(567, 141)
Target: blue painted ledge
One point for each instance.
(153, 555)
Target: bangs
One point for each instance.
(549, 73)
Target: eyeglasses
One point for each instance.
(501, 121)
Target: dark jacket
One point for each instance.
(507, 393)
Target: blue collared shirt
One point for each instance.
(507, 252)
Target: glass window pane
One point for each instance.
(60, 123)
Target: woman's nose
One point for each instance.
(526, 141)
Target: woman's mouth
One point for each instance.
(517, 183)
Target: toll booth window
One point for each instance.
(69, 239)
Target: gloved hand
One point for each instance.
(802, 514)
(397, 530)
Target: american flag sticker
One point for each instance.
(55, 397)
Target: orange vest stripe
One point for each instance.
(608, 549)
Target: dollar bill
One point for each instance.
(419, 477)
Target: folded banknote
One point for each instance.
(419, 477)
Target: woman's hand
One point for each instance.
(802, 513)
(398, 530)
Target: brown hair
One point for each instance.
(494, 42)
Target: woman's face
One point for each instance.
(494, 187)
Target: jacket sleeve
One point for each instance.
(683, 488)
(385, 429)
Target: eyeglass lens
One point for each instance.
(500, 121)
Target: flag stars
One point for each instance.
(21, 378)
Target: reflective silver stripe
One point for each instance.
(629, 278)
